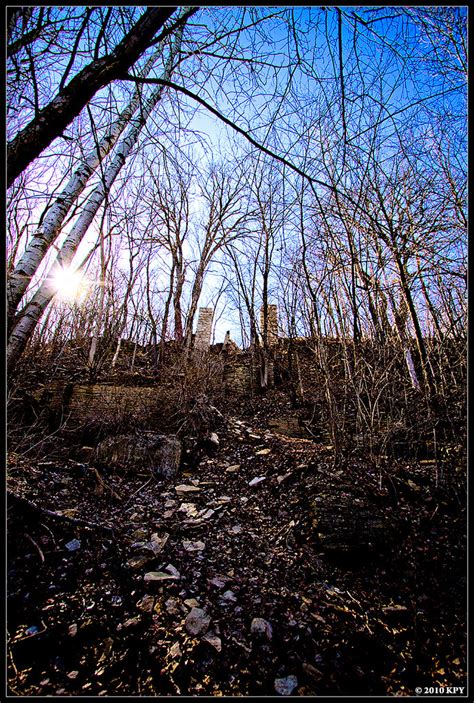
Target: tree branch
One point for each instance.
(311, 180)
(53, 119)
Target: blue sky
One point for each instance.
(385, 81)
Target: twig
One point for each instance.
(33, 634)
(36, 545)
(105, 485)
(138, 490)
(62, 518)
(43, 439)
(10, 653)
(49, 531)
(434, 512)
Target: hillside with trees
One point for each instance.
(236, 305)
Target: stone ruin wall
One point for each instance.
(101, 403)
(202, 339)
(272, 323)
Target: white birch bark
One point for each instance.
(41, 241)
(33, 311)
(100, 312)
(117, 352)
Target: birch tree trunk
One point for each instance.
(53, 119)
(42, 240)
(101, 303)
(33, 311)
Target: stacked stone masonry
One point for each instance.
(272, 323)
(204, 329)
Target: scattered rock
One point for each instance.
(212, 639)
(218, 581)
(312, 671)
(157, 543)
(256, 480)
(191, 603)
(347, 524)
(73, 545)
(234, 467)
(136, 546)
(197, 622)
(280, 479)
(263, 452)
(214, 439)
(172, 606)
(146, 603)
(395, 608)
(72, 630)
(175, 651)
(190, 546)
(139, 561)
(173, 571)
(158, 576)
(286, 686)
(207, 514)
(189, 509)
(183, 489)
(260, 626)
(229, 596)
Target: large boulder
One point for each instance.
(350, 525)
(158, 453)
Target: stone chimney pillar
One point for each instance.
(202, 339)
(272, 323)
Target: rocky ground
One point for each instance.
(265, 569)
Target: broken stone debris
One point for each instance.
(158, 576)
(197, 622)
(183, 489)
(191, 546)
(214, 439)
(73, 545)
(286, 686)
(260, 626)
(257, 480)
(347, 524)
(139, 561)
(212, 639)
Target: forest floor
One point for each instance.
(243, 600)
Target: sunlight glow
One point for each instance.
(70, 285)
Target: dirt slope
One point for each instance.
(239, 537)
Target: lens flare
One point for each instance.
(70, 285)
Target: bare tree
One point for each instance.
(52, 119)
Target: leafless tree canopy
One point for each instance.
(313, 158)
